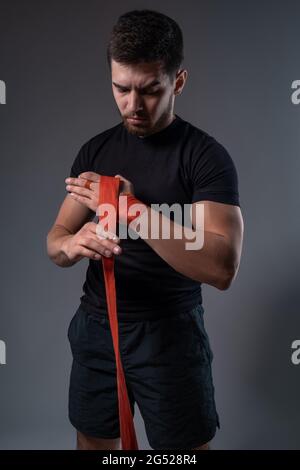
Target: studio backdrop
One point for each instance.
(243, 88)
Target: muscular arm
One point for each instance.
(217, 262)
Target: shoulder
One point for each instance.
(211, 169)
(205, 153)
(204, 144)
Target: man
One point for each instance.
(161, 159)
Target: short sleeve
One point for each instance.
(81, 162)
(214, 176)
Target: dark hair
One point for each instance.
(147, 36)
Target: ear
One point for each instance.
(181, 77)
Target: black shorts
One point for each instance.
(167, 367)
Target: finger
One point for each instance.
(124, 180)
(125, 185)
(79, 191)
(70, 180)
(90, 175)
(83, 200)
(97, 229)
(98, 233)
(77, 183)
(89, 253)
(104, 248)
(108, 246)
(105, 234)
(121, 178)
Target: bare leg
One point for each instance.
(202, 447)
(85, 442)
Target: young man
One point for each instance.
(161, 159)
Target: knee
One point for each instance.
(202, 447)
(85, 442)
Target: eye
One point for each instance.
(151, 92)
(124, 90)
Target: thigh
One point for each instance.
(171, 379)
(93, 400)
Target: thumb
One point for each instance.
(121, 177)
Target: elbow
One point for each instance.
(226, 278)
(49, 248)
(223, 284)
(228, 271)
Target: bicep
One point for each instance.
(72, 215)
(222, 219)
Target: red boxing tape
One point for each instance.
(109, 193)
(130, 201)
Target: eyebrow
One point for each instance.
(154, 82)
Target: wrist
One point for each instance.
(130, 208)
(64, 247)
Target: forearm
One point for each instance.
(55, 239)
(206, 263)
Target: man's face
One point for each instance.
(143, 91)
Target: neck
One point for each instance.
(169, 121)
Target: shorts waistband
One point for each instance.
(141, 316)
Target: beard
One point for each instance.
(140, 129)
(144, 128)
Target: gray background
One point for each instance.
(242, 58)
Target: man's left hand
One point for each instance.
(90, 196)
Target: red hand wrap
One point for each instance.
(109, 193)
(131, 200)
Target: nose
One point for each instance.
(135, 103)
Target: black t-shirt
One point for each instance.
(179, 164)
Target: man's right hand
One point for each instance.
(87, 243)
